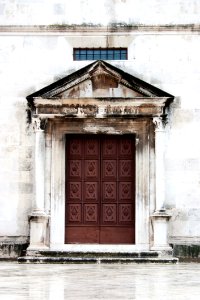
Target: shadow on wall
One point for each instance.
(11, 251)
(187, 253)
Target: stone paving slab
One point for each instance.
(118, 281)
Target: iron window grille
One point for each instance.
(100, 54)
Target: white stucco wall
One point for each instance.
(37, 12)
(168, 60)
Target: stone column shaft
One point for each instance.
(38, 218)
(39, 171)
(160, 217)
(159, 158)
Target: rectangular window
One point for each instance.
(100, 54)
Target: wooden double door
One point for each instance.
(100, 189)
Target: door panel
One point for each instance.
(100, 196)
(82, 235)
(117, 235)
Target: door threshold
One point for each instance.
(99, 248)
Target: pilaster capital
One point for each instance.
(137, 141)
(159, 123)
(39, 124)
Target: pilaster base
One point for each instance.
(39, 231)
(160, 231)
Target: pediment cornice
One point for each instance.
(67, 97)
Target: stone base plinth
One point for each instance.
(160, 231)
(39, 231)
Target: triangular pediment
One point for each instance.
(99, 89)
(98, 79)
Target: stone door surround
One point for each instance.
(81, 104)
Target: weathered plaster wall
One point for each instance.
(32, 12)
(16, 145)
(183, 172)
(168, 60)
(31, 62)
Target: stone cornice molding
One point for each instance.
(136, 101)
(90, 29)
(69, 85)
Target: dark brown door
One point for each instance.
(100, 193)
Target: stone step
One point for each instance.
(96, 254)
(93, 260)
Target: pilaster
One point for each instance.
(39, 220)
(159, 162)
(160, 217)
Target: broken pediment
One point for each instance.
(99, 89)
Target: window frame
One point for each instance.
(81, 54)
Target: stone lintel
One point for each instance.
(100, 107)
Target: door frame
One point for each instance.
(143, 130)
